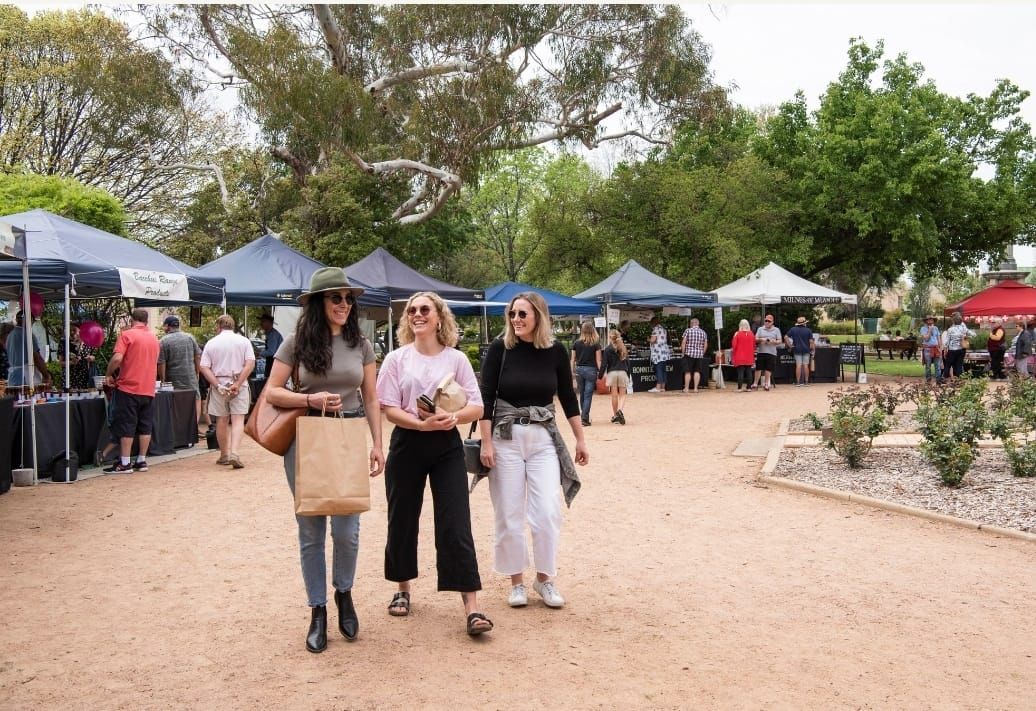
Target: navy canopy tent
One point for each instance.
(559, 304)
(267, 272)
(380, 270)
(62, 252)
(633, 285)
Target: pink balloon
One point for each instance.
(91, 334)
(35, 303)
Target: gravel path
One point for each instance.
(989, 493)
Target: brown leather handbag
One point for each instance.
(272, 427)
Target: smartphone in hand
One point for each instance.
(425, 403)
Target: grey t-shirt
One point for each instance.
(178, 350)
(772, 333)
(343, 377)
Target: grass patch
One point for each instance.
(905, 368)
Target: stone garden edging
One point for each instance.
(771, 465)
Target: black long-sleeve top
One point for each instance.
(530, 376)
(611, 361)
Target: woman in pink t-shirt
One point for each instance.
(427, 446)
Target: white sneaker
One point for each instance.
(549, 593)
(518, 596)
(654, 390)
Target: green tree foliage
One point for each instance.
(571, 252)
(432, 92)
(79, 98)
(62, 196)
(500, 207)
(884, 172)
(702, 226)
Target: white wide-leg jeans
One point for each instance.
(526, 484)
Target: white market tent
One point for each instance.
(774, 284)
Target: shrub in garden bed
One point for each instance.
(855, 422)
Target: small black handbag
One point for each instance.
(473, 453)
(473, 447)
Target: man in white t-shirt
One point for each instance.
(226, 363)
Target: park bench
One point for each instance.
(907, 347)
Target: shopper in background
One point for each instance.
(692, 346)
(660, 353)
(996, 344)
(615, 369)
(179, 361)
(767, 338)
(226, 362)
(586, 362)
(136, 361)
(742, 355)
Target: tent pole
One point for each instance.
(29, 371)
(68, 392)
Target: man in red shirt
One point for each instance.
(136, 360)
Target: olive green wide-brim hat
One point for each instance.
(328, 279)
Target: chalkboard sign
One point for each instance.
(852, 353)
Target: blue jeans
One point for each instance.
(930, 363)
(345, 534)
(586, 381)
(660, 374)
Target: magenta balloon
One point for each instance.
(91, 334)
(35, 303)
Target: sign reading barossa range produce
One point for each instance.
(162, 286)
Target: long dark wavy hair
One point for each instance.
(313, 336)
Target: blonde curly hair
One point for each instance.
(447, 333)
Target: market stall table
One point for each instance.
(87, 417)
(175, 424)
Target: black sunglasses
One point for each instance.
(337, 299)
(769, 320)
(425, 309)
(520, 314)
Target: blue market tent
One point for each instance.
(62, 252)
(559, 304)
(267, 272)
(633, 285)
(380, 270)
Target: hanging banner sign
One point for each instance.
(613, 315)
(717, 315)
(677, 311)
(161, 286)
(811, 300)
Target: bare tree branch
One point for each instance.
(563, 131)
(298, 166)
(332, 36)
(415, 73)
(224, 194)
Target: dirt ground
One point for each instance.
(689, 585)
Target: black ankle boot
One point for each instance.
(316, 639)
(348, 623)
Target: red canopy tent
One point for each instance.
(1008, 299)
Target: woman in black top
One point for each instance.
(586, 361)
(615, 371)
(521, 444)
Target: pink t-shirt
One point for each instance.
(225, 354)
(405, 374)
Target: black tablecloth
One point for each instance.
(6, 425)
(175, 424)
(86, 419)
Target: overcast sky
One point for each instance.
(771, 50)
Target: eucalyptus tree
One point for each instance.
(431, 93)
(82, 99)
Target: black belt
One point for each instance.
(522, 421)
(313, 412)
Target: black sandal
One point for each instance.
(400, 601)
(474, 630)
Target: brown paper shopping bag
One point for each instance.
(331, 473)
